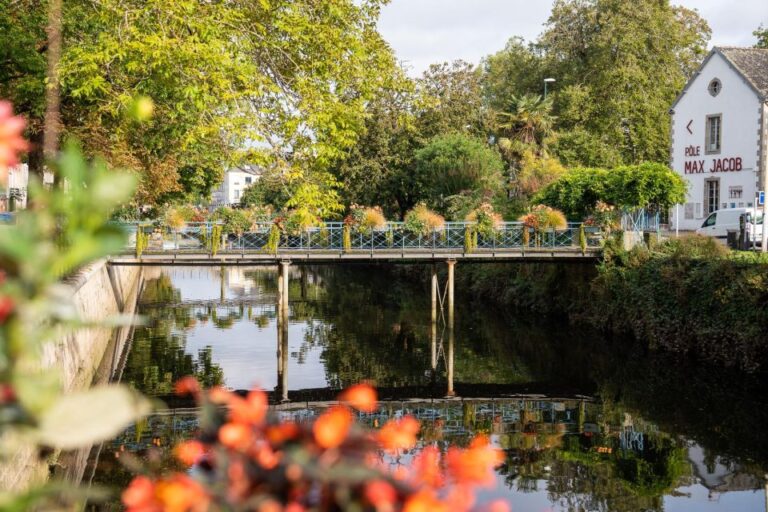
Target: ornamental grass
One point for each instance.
(423, 221)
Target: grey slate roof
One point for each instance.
(752, 63)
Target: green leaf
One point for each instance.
(92, 416)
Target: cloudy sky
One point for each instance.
(427, 31)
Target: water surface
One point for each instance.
(587, 424)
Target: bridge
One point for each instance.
(333, 242)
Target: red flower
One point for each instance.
(11, 140)
(399, 434)
(360, 396)
(187, 386)
(6, 307)
(332, 427)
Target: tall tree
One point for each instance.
(621, 64)
(762, 37)
(282, 83)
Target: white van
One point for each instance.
(720, 222)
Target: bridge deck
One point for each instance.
(386, 256)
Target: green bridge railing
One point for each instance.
(336, 236)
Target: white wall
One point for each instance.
(231, 189)
(741, 124)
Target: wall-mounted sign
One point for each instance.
(733, 164)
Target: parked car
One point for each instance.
(720, 222)
(7, 218)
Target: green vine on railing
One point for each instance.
(273, 241)
(470, 239)
(582, 239)
(142, 241)
(215, 241)
(346, 238)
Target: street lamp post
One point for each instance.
(547, 81)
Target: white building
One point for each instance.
(15, 195)
(720, 134)
(235, 181)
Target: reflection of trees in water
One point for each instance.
(158, 357)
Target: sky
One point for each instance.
(423, 32)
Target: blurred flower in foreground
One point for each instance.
(246, 458)
(11, 139)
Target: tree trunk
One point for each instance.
(52, 120)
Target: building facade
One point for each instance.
(235, 181)
(15, 195)
(719, 134)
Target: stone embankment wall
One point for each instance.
(85, 357)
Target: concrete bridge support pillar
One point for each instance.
(449, 356)
(434, 317)
(282, 330)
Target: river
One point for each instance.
(587, 423)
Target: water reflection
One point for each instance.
(632, 431)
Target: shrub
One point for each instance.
(542, 217)
(176, 217)
(300, 221)
(423, 221)
(486, 219)
(234, 221)
(366, 219)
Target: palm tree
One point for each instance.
(529, 121)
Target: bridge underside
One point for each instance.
(331, 257)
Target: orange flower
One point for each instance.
(475, 464)
(187, 386)
(189, 452)
(252, 409)
(426, 467)
(380, 494)
(236, 435)
(278, 434)
(399, 434)
(11, 139)
(139, 496)
(424, 501)
(499, 506)
(180, 493)
(332, 427)
(360, 396)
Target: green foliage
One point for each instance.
(761, 34)
(299, 73)
(456, 164)
(300, 220)
(582, 239)
(273, 241)
(629, 187)
(470, 239)
(233, 220)
(142, 240)
(486, 220)
(423, 221)
(690, 295)
(68, 230)
(577, 147)
(618, 65)
(215, 240)
(346, 237)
